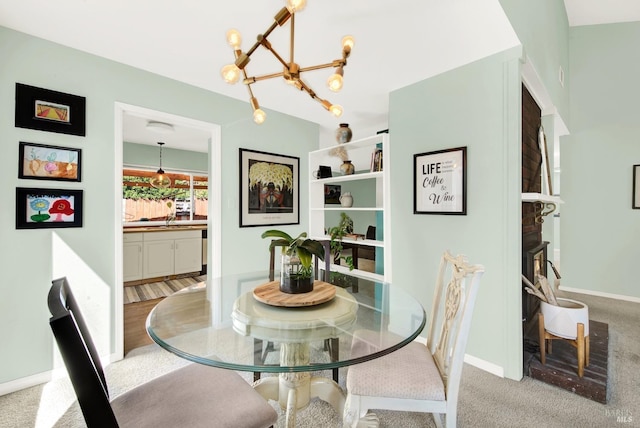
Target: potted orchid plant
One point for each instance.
(296, 273)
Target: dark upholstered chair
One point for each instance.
(193, 396)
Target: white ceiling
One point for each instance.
(594, 12)
(397, 43)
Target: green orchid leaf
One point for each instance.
(274, 233)
(279, 243)
(305, 248)
(313, 247)
(305, 257)
(302, 235)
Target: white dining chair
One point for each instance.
(419, 378)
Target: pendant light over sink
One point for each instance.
(160, 180)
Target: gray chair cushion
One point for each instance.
(409, 372)
(194, 396)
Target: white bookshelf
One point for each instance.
(359, 152)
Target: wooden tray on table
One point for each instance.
(270, 294)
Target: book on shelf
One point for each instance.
(376, 160)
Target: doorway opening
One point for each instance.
(208, 142)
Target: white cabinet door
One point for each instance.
(132, 261)
(188, 255)
(158, 258)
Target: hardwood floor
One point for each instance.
(135, 316)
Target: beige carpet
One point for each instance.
(155, 290)
(485, 401)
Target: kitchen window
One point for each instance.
(186, 200)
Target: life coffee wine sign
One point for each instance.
(439, 182)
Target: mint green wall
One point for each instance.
(31, 257)
(181, 160)
(478, 106)
(543, 30)
(599, 230)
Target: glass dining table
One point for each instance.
(244, 323)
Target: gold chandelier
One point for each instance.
(291, 71)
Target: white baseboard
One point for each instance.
(484, 365)
(25, 382)
(494, 369)
(601, 294)
(44, 377)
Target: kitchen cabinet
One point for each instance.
(132, 256)
(160, 254)
(188, 254)
(171, 253)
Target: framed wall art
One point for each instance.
(44, 162)
(439, 182)
(332, 194)
(636, 188)
(48, 208)
(47, 110)
(269, 189)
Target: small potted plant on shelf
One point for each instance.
(296, 273)
(337, 233)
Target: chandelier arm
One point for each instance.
(291, 37)
(335, 64)
(279, 20)
(307, 89)
(268, 46)
(248, 85)
(254, 79)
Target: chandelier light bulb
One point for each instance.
(234, 38)
(230, 73)
(335, 82)
(348, 41)
(336, 110)
(296, 5)
(259, 116)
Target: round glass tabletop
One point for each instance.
(223, 324)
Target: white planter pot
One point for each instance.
(563, 320)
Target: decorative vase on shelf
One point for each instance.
(346, 200)
(343, 133)
(347, 168)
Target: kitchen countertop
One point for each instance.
(132, 229)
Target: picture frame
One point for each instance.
(324, 171)
(48, 110)
(635, 203)
(332, 194)
(38, 208)
(439, 182)
(45, 162)
(269, 189)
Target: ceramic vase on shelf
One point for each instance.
(347, 168)
(346, 200)
(343, 133)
